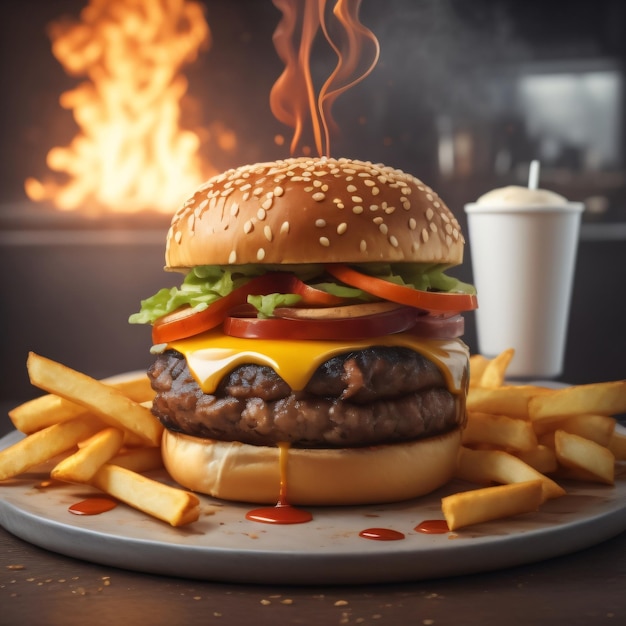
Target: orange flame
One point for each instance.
(131, 153)
(292, 99)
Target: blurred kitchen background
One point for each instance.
(464, 95)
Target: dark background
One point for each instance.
(465, 94)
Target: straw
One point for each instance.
(533, 175)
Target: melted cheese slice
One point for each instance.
(212, 355)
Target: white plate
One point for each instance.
(224, 546)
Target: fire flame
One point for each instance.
(131, 153)
(293, 100)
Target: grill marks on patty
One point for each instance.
(373, 396)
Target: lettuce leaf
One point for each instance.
(205, 284)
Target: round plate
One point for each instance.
(223, 546)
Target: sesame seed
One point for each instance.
(375, 191)
(455, 234)
(429, 214)
(444, 217)
(341, 229)
(324, 241)
(363, 245)
(232, 257)
(369, 182)
(267, 204)
(378, 220)
(278, 191)
(436, 204)
(309, 189)
(284, 228)
(267, 231)
(390, 209)
(319, 196)
(357, 210)
(340, 205)
(246, 196)
(412, 224)
(433, 227)
(424, 235)
(248, 226)
(258, 191)
(357, 199)
(320, 223)
(448, 240)
(351, 188)
(406, 205)
(234, 209)
(260, 254)
(373, 207)
(429, 196)
(178, 236)
(383, 228)
(245, 187)
(393, 241)
(261, 214)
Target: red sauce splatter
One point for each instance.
(279, 514)
(433, 527)
(92, 506)
(282, 512)
(381, 534)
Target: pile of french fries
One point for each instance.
(97, 434)
(518, 442)
(521, 439)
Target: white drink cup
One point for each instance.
(523, 245)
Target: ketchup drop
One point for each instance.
(381, 534)
(92, 506)
(433, 527)
(279, 514)
(282, 512)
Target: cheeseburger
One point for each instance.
(314, 342)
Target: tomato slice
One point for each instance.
(428, 300)
(185, 322)
(351, 328)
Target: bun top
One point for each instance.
(313, 210)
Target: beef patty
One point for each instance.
(374, 396)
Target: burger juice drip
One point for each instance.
(282, 512)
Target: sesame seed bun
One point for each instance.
(313, 210)
(235, 471)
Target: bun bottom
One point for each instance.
(347, 476)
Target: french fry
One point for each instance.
(598, 428)
(50, 409)
(110, 405)
(500, 431)
(494, 373)
(45, 445)
(578, 453)
(490, 503)
(542, 458)
(171, 505)
(478, 363)
(617, 445)
(81, 466)
(139, 459)
(607, 398)
(507, 400)
(496, 466)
